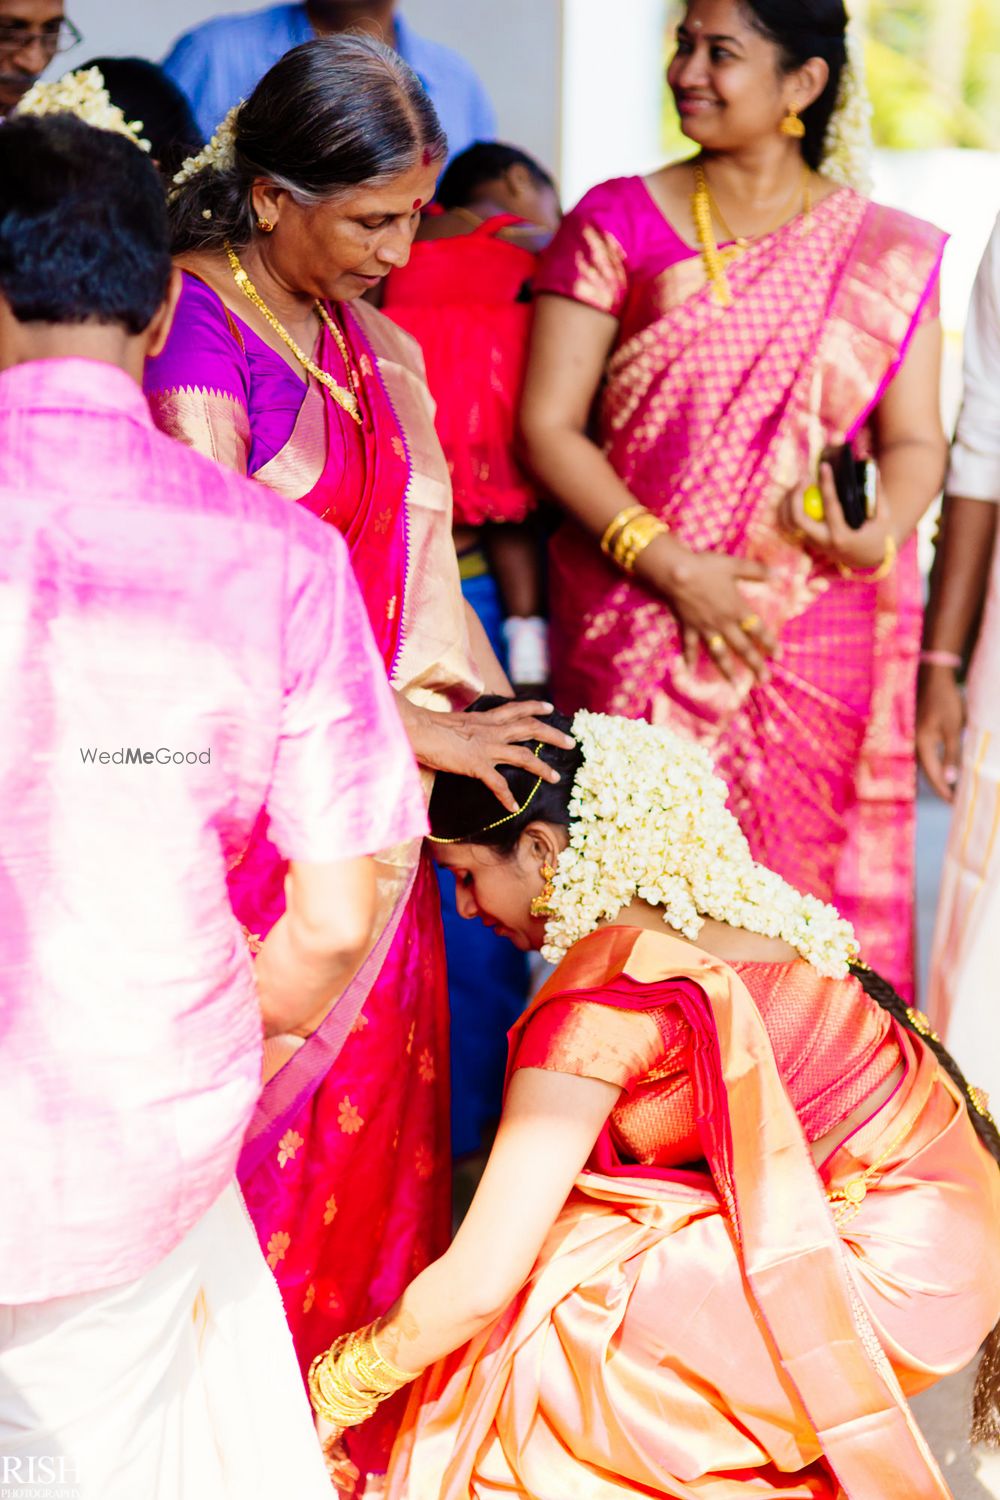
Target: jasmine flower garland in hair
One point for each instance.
(85, 95)
(649, 819)
(847, 151)
(219, 155)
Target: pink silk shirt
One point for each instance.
(179, 648)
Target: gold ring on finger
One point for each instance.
(716, 644)
(751, 624)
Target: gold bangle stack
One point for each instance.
(629, 534)
(350, 1381)
(883, 570)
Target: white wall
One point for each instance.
(140, 28)
(515, 47)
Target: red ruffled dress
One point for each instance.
(459, 297)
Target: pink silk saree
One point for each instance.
(707, 1332)
(710, 415)
(346, 1165)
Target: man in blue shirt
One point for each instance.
(218, 64)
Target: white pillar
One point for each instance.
(613, 62)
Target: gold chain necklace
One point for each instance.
(744, 241)
(346, 399)
(704, 206)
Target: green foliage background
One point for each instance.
(933, 71)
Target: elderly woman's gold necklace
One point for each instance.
(347, 399)
(704, 206)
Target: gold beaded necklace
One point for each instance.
(348, 400)
(704, 208)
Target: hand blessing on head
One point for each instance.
(475, 744)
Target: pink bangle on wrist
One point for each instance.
(941, 659)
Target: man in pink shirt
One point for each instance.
(179, 649)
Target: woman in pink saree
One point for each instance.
(312, 193)
(701, 377)
(757, 1207)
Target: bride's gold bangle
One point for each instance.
(883, 570)
(350, 1381)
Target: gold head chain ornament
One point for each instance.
(470, 838)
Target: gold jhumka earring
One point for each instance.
(792, 125)
(265, 226)
(541, 905)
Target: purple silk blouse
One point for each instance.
(204, 352)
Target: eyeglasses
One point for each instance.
(60, 38)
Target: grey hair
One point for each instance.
(333, 115)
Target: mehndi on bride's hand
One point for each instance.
(344, 1475)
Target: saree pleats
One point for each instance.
(711, 1333)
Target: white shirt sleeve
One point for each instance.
(975, 457)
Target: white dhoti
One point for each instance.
(182, 1385)
(963, 995)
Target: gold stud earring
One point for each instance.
(541, 905)
(265, 226)
(791, 125)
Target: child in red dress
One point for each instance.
(465, 297)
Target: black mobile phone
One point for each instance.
(856, 480)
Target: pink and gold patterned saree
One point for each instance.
(711, 415)
(708, 1331)
(345, 1168)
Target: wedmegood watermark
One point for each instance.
(133, 757)
(39, 1478)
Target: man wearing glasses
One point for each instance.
(31, 33)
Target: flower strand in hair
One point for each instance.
(218, 156)
(85, 95)
(847, 151)
(648, 819)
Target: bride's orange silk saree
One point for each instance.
(708, 1331)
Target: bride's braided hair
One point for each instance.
(986, 1397)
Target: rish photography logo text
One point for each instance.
(135, 757)
(39, 1478)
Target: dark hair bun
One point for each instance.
(462, 808)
